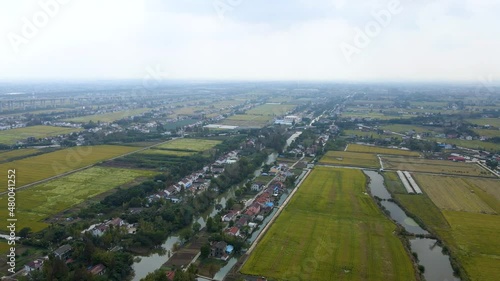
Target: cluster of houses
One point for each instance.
(255, 210)
(197, 181)
(62, 253)
(101, 228)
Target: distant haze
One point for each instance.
(329, 40)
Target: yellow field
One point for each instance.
(356, 159)
(380, 150)
(453, 193)
(331, 230)
(7, 155)
(490, 186)
(413, 164)
(32, 169)
(13, 135)
(472, 236)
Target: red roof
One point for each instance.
(170, 275)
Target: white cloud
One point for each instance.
(429, 40)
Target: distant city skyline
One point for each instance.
(251, 40)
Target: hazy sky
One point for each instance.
(428, 40)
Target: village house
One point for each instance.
(63, 251)
(98, 270)
(257, 186)
(34, 265)
(218, 249)
(234, 231)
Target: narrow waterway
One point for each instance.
(152, 262)
(437, 265)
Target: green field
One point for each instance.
(32, 169)
(488, 133)
(167, 152)
(473, 144)
(271, 109)
(35, 204)
(470, 236)
(13, 135)
(109, 117)
(495, 122)
(400, 128)
(18, 153)
(243, 120)
(353, 159)
(380, 150)
(331, 230)
(189, 144)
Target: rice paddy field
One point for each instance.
(242, 120)
(13, 154)
(35, 204)
(452, 211)
(380, 150)
(109, 117)
(166, 152)
(184, 144)
(271, 109)
(414, 164)
(331, 230)
(13, 135)
(473, 144)
(401, 128)
(490, 133)
(454, 193)
(495, 122)
(354, 159)
(36, 168)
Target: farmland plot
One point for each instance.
(35, 204)
(453, 193)
(331, 230)
(355, 159)
(36, 168)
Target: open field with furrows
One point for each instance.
(354, 159)
(6, 156)
(380, 150)
(35, 204)
(453, 193)
(108, 117)
(414, 164)
(331, 230)
(485, 121)
(470, 236)
(271, 109)
(167, 152)
(36, 168)
(189, 144)
(13, 135)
